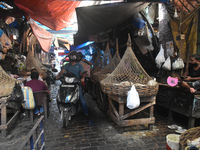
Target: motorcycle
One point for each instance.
(50, 77)
(68, 97)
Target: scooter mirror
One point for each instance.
(54, 70)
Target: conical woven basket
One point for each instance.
(105, 61)
(7, 83)
(31, 61)
(97, 63)
(108, 69)
(129, 72)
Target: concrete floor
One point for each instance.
(98, 132)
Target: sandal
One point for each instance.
(180, 131)
(173, 127)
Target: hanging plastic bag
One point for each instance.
(167, 64)
(178, 64)
(160, 58)
(133, 99)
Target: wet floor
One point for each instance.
(96, 133)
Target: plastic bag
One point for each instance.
(167, 64)
(133, 99)
(17, 94)
(160, 58)
(178, 64)
(29, 102)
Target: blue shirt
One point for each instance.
(75, 69)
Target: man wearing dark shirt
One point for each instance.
(37, 85)
(192, 75)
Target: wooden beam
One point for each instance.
(137, 121)
(137, 110)
(113, 108)
(114, 118)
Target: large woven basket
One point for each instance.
(122, 90)
(109, 68)
(7, 83)
(190, 134)
(129, 72)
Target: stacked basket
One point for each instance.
(129, 72)
(102, 74)
(105, 61)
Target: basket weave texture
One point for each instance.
(190, 134)
(129, 72)
(7, 83)
(103, 73)
(105, 60)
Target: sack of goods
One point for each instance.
(29, 102)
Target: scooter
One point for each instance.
(50, 77)
(68, 97)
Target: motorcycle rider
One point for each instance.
(76, 69)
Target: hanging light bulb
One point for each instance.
(175, 13)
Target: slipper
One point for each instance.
(180, 131)
(173, 127)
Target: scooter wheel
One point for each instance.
(65, 119)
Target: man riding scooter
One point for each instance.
(76, 69)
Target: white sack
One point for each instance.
(167, 64)
(160, 58)
(133, 99)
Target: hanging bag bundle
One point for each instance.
(17, 94)
(178, 64)
(133, 99)
(167, 64)
(160, 58)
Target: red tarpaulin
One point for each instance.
(44, 37)
(55, 14)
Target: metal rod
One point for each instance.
(31, 133)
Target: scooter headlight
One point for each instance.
(69, 80)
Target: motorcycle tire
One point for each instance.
(65, 118)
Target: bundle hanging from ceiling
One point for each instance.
(32, 61)
(129, 72)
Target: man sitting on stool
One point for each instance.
(37, 85)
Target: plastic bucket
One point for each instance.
(172, 141)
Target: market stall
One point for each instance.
(102, 98)
(127, 74)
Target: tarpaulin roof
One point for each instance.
(55, 14)
(95, 19)
(44, 37)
